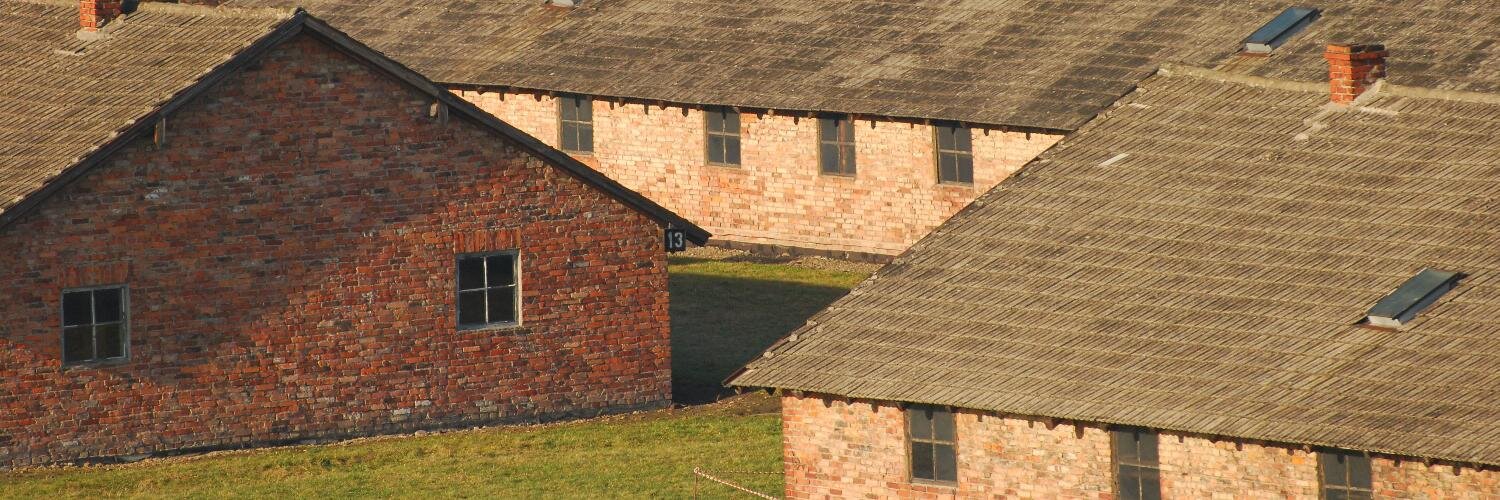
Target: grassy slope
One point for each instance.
(724, 313)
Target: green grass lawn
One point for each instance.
(724, 313)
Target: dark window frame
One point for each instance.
(573, 125)
(959, 155)
(724, 135)
(844, 143)
(1137, 466)
(1345, 490)
(912, 441)
(123, 323)
(514, 286)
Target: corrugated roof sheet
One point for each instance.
(1208, 282)
(61, 97)
(1029, 63)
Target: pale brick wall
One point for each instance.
(1198, 468)
(777, 196)
(840, 449)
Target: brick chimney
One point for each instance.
(1352, 68)
(94, 14)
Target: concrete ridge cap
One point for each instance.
(1175, 70)
(1441, 94)
(215, 11)
(179, 8)
(1382, 88)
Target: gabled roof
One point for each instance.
(66, 103)
(1197, 260)
(1042, 64)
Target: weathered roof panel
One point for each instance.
(1044, 64)
(1211, 281)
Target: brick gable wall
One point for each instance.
(835, 448)
(290, 259)
(777, 197)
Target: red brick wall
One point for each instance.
(290, 259)
(777, 196)
(840, 449)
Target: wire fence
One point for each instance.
(713, 476)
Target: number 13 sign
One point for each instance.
(676, 240)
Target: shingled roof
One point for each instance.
(67, 102)
(1024, 63)
(1196, 260)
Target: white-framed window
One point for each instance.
(489, 289)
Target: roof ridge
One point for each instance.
(53, 3)
(1385, 88)
(204, 10)
(181, 8)
(1175, 69)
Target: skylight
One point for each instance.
(1279, 30)
(1398, 309)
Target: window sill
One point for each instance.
(929, 483)
(87, 365)
(725, 166)
(836, 176)
(493, 327)
(955, 185)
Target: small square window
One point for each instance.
(487, 290)
(94, 325)
(723, 136)
(955, 154)
(836, 145)
(577, 123)
(1346, 476)
(932, 435)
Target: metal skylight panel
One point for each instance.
(1279, 30)
(1417, 294)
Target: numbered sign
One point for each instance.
(676, 240)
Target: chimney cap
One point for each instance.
(1354, 48)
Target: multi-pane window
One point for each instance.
(1137, 470)
(955, 154)
(1346, 476)
(931, 433)
(723, 139)
(487, 290)
(577, 123)
(94, 325)
(836, 145)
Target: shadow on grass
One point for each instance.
(726, 312)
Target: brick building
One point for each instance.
(236, 227)
(658, 78)
(849, 127)
(1228, 286)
